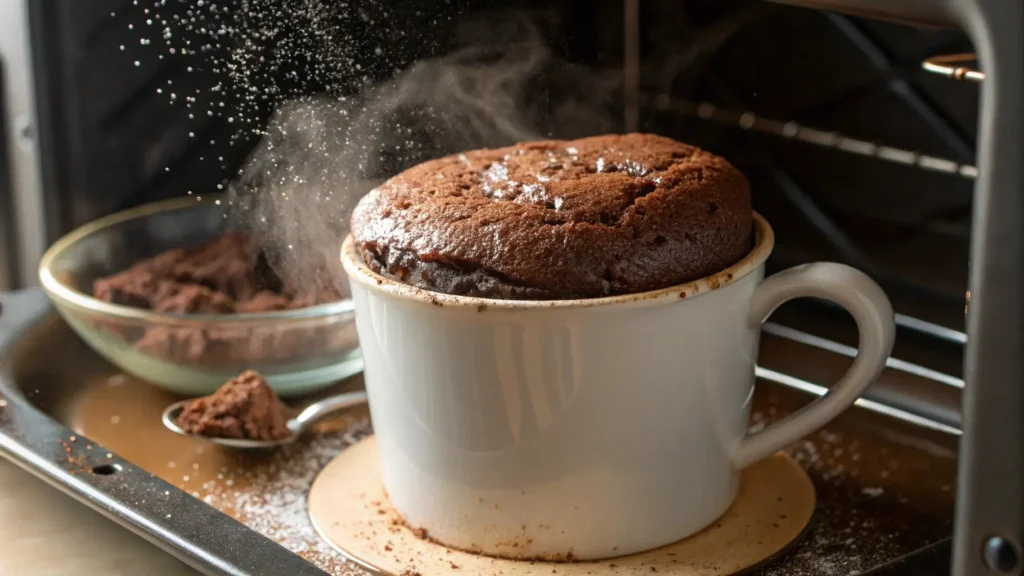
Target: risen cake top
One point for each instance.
(555, 220)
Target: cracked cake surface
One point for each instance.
(558, 219)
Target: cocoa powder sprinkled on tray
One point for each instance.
(275, 502)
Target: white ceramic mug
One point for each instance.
(592, 428)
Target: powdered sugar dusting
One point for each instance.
(865, 516)
(274, 504)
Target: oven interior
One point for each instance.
(799, 100)
(854, 152)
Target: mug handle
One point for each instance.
(869, 306)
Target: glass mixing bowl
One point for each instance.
(297, 351)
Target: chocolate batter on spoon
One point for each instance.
(246, 413)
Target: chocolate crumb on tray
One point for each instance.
(244, 408)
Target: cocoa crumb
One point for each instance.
(226, 276)
(246, 407)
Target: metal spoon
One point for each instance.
(296, 425)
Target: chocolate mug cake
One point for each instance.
(508, 401)
(555, 220)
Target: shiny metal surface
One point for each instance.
(955, 66)
(794, 131)
(185, 527)
(990, 501)
(22, 222)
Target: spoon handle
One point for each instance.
(330, 405)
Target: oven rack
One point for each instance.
(794, 131)
(953, 66)
(803, 200)
(989, 502)
(990, 505)
(725, 102)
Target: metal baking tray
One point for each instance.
(884, 471)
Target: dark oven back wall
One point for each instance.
(113, 138)
(110, 139)
(907, 226)
(113, 141)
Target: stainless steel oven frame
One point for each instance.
(990, 497)
(22, 224)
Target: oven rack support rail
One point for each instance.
(733, 107)
(954, 66)
(990, 502)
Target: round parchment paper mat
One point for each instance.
(349, 509)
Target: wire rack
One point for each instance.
(789, 130)
(731, 108)
(955, 66)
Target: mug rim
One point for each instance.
(359, 271)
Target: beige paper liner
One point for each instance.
(774, 505)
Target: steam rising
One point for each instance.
(320, 154)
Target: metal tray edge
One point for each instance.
(188, 529)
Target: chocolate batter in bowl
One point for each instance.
(186, 337)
